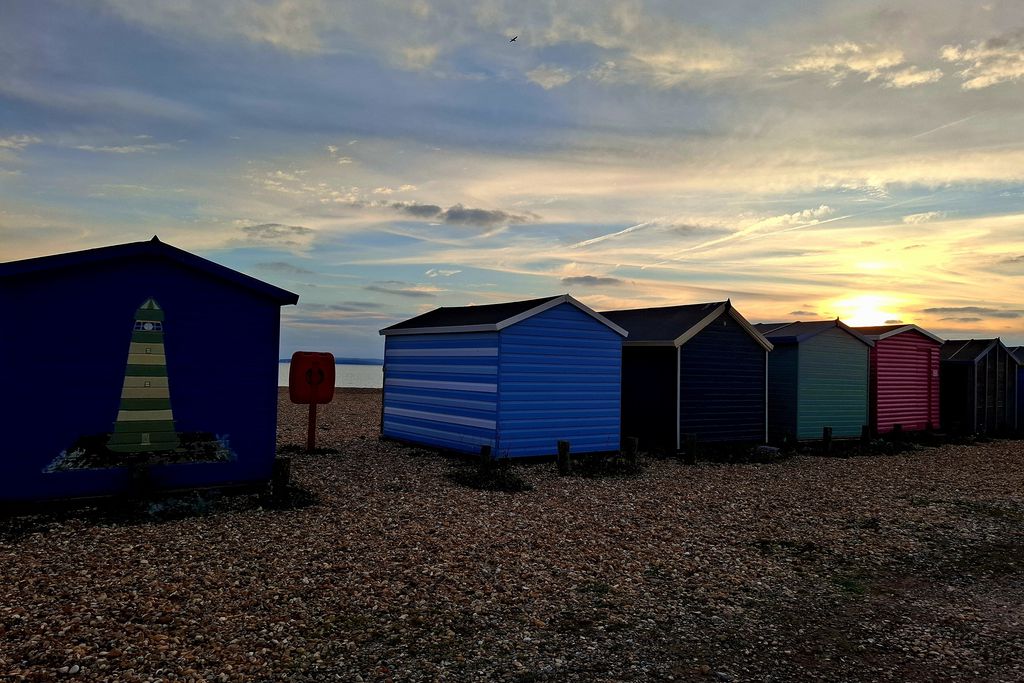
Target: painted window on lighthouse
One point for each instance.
(144, 429)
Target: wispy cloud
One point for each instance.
(399, 288)
(989, 62)
(925, 217)
(126, 149)
(591, 281)
(973, 310)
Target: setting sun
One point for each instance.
(867, 309)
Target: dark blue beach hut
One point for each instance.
(979, 387)
(138, 355)
(817, 377)
(517, 377)
(1018, 354)
(695, 369)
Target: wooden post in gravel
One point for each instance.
(826, 439)
(690, 449)
(564, 461)
(631, 449)
(897, 433)
(485, 459)
(279, 478)
(865, 437)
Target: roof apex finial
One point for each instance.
(155, 239)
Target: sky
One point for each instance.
(807, 160)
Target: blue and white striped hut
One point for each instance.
(517, 377)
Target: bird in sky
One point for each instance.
(513, 39)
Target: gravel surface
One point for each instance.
(907, 567)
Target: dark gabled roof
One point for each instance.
(878, 332)
(150, 248)
(966, 350)
(797, 332)
(1018, 353)
(675, 325)
(487, 317)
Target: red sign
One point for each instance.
(311, 378)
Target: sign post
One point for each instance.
(311, 380)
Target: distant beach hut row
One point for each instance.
(518, 377)
(143, 360)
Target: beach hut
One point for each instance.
(1018, 354)
(517, 376)
(817, 378)
(135, 357)
(979, 386)
(695, 369)
(904, 384)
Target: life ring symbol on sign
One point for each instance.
(319, 373)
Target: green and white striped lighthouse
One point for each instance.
(145, 422)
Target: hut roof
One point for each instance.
(487, 317)
(878, 332)
(675, 325)
(132, 250)
(796, 332)
(967, 350)
(1018, 353)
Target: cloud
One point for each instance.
(282, 267)
(291, 26)
(590, 281)
(963, 320)
(438, 272)
(17, 143)
(549, 77)
(911, 76)
(419, 210)
(806, 216)
(989, 62)
(804, 313)
(403, 289)
(974, 311)
(276, 232)
(125, 149)
(893, 322)
(844, 59)
(461, 215)
(926, 217)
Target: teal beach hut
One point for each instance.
(817, 378)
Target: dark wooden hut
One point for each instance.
(979, 386)
(696, 369)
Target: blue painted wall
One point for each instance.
(722, 384)
(64, 345)
(554, 376)
(560, 374)
(441, 389)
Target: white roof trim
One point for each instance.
(901, 330)
(745, 324)
(500, 325)
(705, 321)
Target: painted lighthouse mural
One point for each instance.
(145, 421)
(144, 429)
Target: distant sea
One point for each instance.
(359, 373)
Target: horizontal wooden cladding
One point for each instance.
(474, 352)
(833, 371)
(905, 382)
(478, 387)
(560, 379)
(434, 416)
(441, 390)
